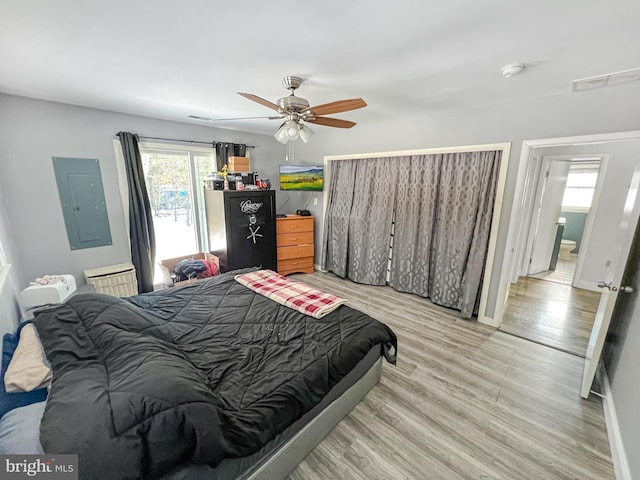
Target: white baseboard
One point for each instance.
(618, 455)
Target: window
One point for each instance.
(580, 188)
(174, 184)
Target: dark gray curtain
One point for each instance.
(336, 220)
(226, 150)
(414, 229)
(143, 241)
(358, 227)
(442, 206)
(442, 224)
(371, 219)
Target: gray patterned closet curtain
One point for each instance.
(359, 217)
(442, 227)
(443, 206)
(336, 224)
(371, 219)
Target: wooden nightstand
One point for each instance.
(295, 244)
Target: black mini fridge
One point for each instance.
(241, 227)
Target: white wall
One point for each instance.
(9, 310)
(611, 109)
(33, 131)
(605, 238)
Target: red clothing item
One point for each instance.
(211, 270)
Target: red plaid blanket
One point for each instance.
(291, 294)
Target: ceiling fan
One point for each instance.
(296, 111)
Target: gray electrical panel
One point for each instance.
(83, 203)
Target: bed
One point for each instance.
(209, 380)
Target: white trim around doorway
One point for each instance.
(525, 235)
(517, 212)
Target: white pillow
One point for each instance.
(20, 430)
(28, 369)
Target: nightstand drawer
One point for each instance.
(298, 251)
(294, 225)
(288, 239)
(295, 265)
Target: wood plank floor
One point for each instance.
(560, 316)
(565, 269)
(464, 402)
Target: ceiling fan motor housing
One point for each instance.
(292, 103)
(291, 83)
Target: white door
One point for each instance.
(549, 209)
(611, 285)
(525, 229)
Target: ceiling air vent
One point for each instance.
(196, 117)
(606, 80)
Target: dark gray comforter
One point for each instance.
(188, 375)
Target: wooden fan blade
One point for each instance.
(244, 118)
(337, 107)
(331, 122)
(260, 100)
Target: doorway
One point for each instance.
(568, 191)
(544, 305)
(560, 312)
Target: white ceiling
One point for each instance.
(170, 59)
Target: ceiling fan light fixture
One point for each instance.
(281, 134)
(292, 129)
(306, 133)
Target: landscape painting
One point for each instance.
(301, 177)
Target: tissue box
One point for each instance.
(58, 292)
